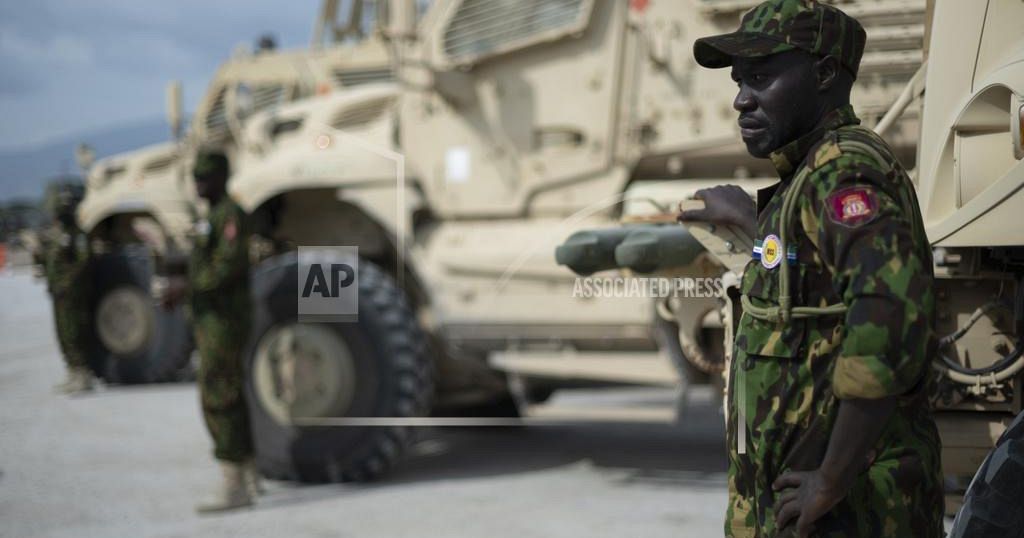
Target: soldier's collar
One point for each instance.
(788, 157)
(765, 195)
(224, 202)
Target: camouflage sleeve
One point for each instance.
(229, 259)
(82, 257)
(50, 254)
(865, 237)
(65, 265)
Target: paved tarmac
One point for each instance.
(132, 462)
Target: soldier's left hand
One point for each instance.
(174, 292)
(806, 496)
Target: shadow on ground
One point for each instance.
(692, 450)
(688, 456)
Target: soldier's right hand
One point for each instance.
(173, 292)
(725, 205)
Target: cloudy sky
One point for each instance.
(70, 66)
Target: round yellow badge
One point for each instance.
(771, 251)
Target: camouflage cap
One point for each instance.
(210, 163)
(781, 25)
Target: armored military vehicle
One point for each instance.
(969, 178)
(143, 202)
(510, 126)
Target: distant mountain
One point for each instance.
(24, 172)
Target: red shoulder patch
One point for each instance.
(638, 5)
(230, 230)
(853, 206)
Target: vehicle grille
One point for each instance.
(484, 27)
(355, 77)
(360, 116)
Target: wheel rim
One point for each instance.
(125, 320)
(303, 371)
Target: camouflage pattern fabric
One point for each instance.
(210, 163)
(859, 241)
(219, 287)
(66, 260)
(221, 386)
(783, 25)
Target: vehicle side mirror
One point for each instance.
(174, 108)
(84, 156)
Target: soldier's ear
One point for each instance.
(827, 72)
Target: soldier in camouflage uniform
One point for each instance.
(66, 261)
(829, 431)
(218, 289)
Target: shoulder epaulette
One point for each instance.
(861, 140)
(826, 152)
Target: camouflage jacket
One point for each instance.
(219, 265)
(857, 239)
(66, 255)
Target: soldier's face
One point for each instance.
(209, 186)
(778, 99)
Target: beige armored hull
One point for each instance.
(509, 127)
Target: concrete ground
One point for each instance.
(132, 461)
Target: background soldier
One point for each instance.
(828, 382)
(218, 288)
(66, 261)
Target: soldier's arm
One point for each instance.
(76, 270)
(230, 258)
(859, 424)
(79, 266)
(866, 239)
(48, 257)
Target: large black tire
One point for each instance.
(383, 350)
(992, 505)
(154, 344)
